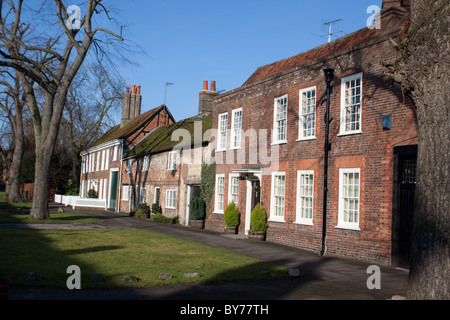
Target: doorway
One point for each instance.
(192, 192)
(253, 198)
(113, 191)
(405, 164)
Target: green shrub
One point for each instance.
(92, 194)
(163, 219)
(231, 215)
(156, 208)
(138, 213)
(197, 209)
(258, 219)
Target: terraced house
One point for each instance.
(340, 189)
(102, 163)
(165, 167)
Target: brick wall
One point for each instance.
(371, 151)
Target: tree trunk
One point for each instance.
(425, 69)
(13, 191)
(39, 208)
(16, 164)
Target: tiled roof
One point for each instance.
(121, 133)
(161, 139)
(317, 54)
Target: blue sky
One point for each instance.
(186, 42)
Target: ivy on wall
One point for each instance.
(207, 184)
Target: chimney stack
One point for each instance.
(393, 12)
(131, 105)
(206, 98)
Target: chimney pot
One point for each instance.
(133, 89)
(213, 86)
(138, 90)
(205, 85)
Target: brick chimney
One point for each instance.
(206, 98)
(131, 104)
(393, 11)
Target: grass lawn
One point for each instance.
(18, 213)
(116, 253)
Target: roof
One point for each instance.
(161, 139)
(318, 54)
(122, 133)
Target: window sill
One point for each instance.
(306, 139)
(348, 227)
(349, 133)
(218, 212)
(304, 223)
(278, 143)
(276, 220)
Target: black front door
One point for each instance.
(256, 195)
(403, 206)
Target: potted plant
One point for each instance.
(258, 220)
(197, 213)
(231, 216)
(145, 211)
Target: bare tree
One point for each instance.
(422, 68)
(51, 62)
(95, 95)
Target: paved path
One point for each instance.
(326, 278)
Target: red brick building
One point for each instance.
(102, 163)
(165, 166)
(270, 148)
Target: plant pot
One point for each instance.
(257, 235)
(232, 230)
(197, 224)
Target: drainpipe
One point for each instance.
(329, 77)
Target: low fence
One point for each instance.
(75, 201)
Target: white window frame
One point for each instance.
(302, 115)
(171, 198)
(216, 197)
(276, 138)
(236, 128)
(342, 219)
(301, 194)
(115, 151)
(142, 195)
(222, 132)
(172, 161)
(97, 164)
(231, 194)
(273, 195)
(107, 160)
(129, 165)
(343, 123)
(146, 163)
(157, 191)
(103, 160)
(126, 193)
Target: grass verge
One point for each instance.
(116, 253)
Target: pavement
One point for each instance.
(323, 278)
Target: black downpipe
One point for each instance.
(329, 77)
